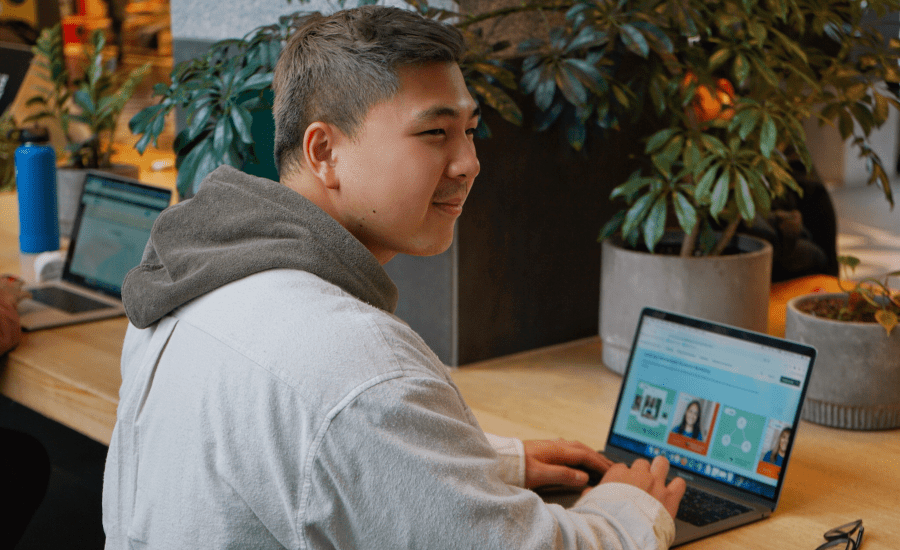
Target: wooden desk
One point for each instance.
(835, 476)
(71, 374)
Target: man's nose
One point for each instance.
(465, 161)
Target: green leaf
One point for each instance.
(761, 197)
(256, 82)
(685, 212)
(887, 319)
(222, 134)
(659, 139)
(669, 155)
(632, 185)
(850, 261)
(612, 226)
(718, 58)
(704, 185)
(497, 99)
(634, 40)
(744, 197)
(587, 37)
(845, 124)
(655, 223)
(714, 145)
(139, 122)
(882, 109)
(638, 211)
(573, 90)
(242, 121)
(188, 168)
(747, 119)
(197, 121)
(740, 69)
(767, 137)
(691, 156)
(544, 92)
(719, 197)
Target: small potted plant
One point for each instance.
(87, 109)
(856, 378)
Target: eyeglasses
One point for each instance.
(840, 538)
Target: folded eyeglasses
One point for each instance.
(841, 538)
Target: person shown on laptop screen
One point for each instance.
(271, 399)
(690, 422)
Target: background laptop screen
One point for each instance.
(113, 231)
(713, 404)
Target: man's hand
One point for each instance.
(11, 293)
(650, 478)
(546, 460)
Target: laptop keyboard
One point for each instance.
(64, 300)
(701, 508)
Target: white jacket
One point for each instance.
(281, 411)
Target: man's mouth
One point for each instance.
(452, 202)
(450, 206)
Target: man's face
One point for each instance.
(404, 177)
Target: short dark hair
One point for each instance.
(335, 68)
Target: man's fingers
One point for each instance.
(548, 474)
(674, 494)
(641, 466)
(660, 468)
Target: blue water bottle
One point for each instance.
(36, 184)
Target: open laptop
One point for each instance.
(111, 230)
(15, 60)
(722, 404)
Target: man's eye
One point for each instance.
(434, 132)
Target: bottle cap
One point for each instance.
(35, 134)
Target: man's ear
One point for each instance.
(319, 153)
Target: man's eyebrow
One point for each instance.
(441, 111)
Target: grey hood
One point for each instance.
(238, 225)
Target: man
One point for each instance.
(269, 397)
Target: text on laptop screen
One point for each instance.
(713, 404)
(113, 231)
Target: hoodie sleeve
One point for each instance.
(510, 458)
(405, 467)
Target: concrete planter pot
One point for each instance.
(731, 289)
(855, 382)
(70, 182)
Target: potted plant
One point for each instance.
(87, 109)
(855, 383)
(722, 89)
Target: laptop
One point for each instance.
(15, 60)
(722, 404)
(111, 230)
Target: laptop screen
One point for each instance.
(14, 62)
(111, 231)
(716, 401)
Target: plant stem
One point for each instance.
(690, 241)
(502, 12)
(726, 237)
